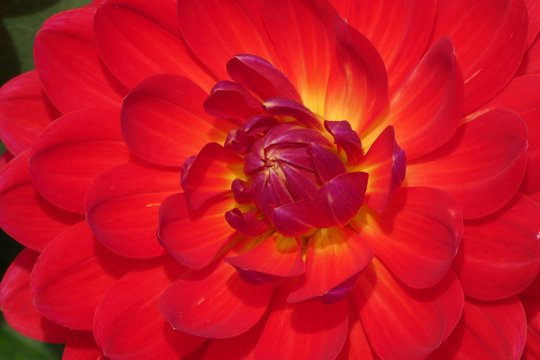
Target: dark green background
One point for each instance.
(19, 22)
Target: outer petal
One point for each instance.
(491, 330)
(82, 347)
(481, 167)
(310, 330)
(24, 214)
(17, 305)
(136, 43)
(69, 280)
(215, 303)
(238, 347)
(533, 11)
(426, 316)
(428, 108)
(69, 66)
(357, 345)
(334, 259)
(531, 62)
(24, 112)
(500, 254)
(417, 237)
(194, 238)
(128, 324)
(521, 95)
(490, 39)
(276, 256)
(163, 120)
(215, 41)
(211, 174)
(72, 152)
(403, 43)
(532, 310)
(123, 206)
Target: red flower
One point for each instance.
(277, 179)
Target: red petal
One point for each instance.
(418, 237)
(24, 214)
(238, 347)
(521, 96)
(428, 108)
(333, 260)
(65, 273)
(135, 41)
(532, 311)
(232, 101)
(213, 40)
(72, 152)
(123, 206)
(403, 43)
(163, 120)
(24, 112)
(194, 238)
(309, 330)
(17, 304)
(500, 255)
(357, 84)
(426, 317)
(490, 39)
(276, 256)
(385, 164)
(261, 77)
(211, 174)
(128, 324)
(69, 66)
(487, 330)
(214, 304)
(533, 10)
(357, 345)
(82, 347)
(531, 61)
(482, 165)
(339, 199)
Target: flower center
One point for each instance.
(300, 172)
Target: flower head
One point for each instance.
(277, 179)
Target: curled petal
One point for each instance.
(231, 101)
(481, 172)
(215, 303)
(261, 77)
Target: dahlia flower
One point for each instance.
(277, 179)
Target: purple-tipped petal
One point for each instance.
(327, 164)
(346, 138)
(261, 77)
(231, 101)
(339, 199)
(293, 219)
(286, 107)
(246, 223)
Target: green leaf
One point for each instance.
(20, 21)
(16, 347)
